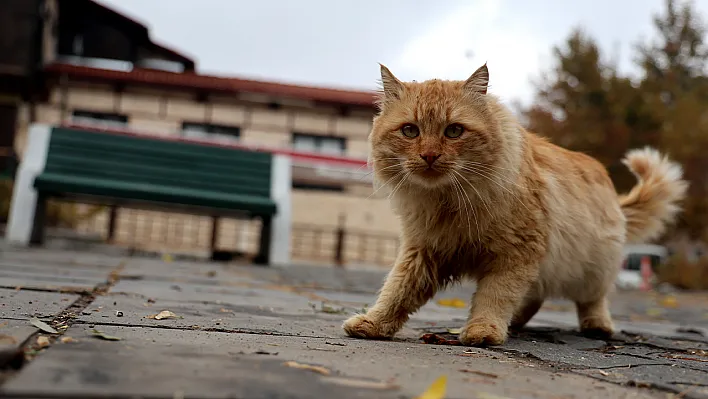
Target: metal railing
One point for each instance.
(160, 231)
(341, 245)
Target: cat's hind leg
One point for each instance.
(594, 318)
(528, 309)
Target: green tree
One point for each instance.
(674, 93)
(581, 104)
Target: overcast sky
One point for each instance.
(339, 43)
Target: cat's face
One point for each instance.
(434, 133)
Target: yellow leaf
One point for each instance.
(669, 301)
(436, 390)
(654, 312)
(316, 369)
(167, 258)
(165, 314)
(42, 341)
(454, 330)
(452, 302)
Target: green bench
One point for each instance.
(132, 171)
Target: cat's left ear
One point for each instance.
(479, 81)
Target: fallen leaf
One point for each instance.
(332, 310)
(321, 349)
(167, 258)
(654, 312)
(455, 331)
(669, 301)
(316, 369)
(482, 373)
(165, 314)
(31, 352)
(699, 352)
(436, 390)
(3, 324)
(435, 339)
(7, 339)
(224, 310)
(42, 341)
(262, 352)
(67, 340)
(43, 326)
(366, 384)
(452, 302)
(335, 343)
(103, 336)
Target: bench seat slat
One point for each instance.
(61, 183)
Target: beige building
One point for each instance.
(324, 129)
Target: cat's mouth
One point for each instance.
(431, 172)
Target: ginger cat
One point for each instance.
(479, 197)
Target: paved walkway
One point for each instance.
(236, 331)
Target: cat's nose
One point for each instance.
(430, 157)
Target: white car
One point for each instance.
(630, 276)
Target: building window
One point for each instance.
(102, 119)
(323, 144)
(208, 131)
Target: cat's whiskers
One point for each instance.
(479, 173)
(488, 166)
(479, 195)
(381, 170)
(368, 164)
(399, 185)
(491, 170)
(458, 186)
(386, 183)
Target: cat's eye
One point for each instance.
(410, 131)
(454, 131)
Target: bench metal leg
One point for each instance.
(263, 257)
(214, 235)
(112, 223)
(40, 221)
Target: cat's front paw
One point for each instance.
(483, 332)
(363, 326)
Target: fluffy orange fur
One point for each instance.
(480, 197)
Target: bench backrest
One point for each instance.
(149, 160)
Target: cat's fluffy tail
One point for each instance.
(653, 203)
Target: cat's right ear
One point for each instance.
(392, 87)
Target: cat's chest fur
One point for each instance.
(470, 234)
(445, 228)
